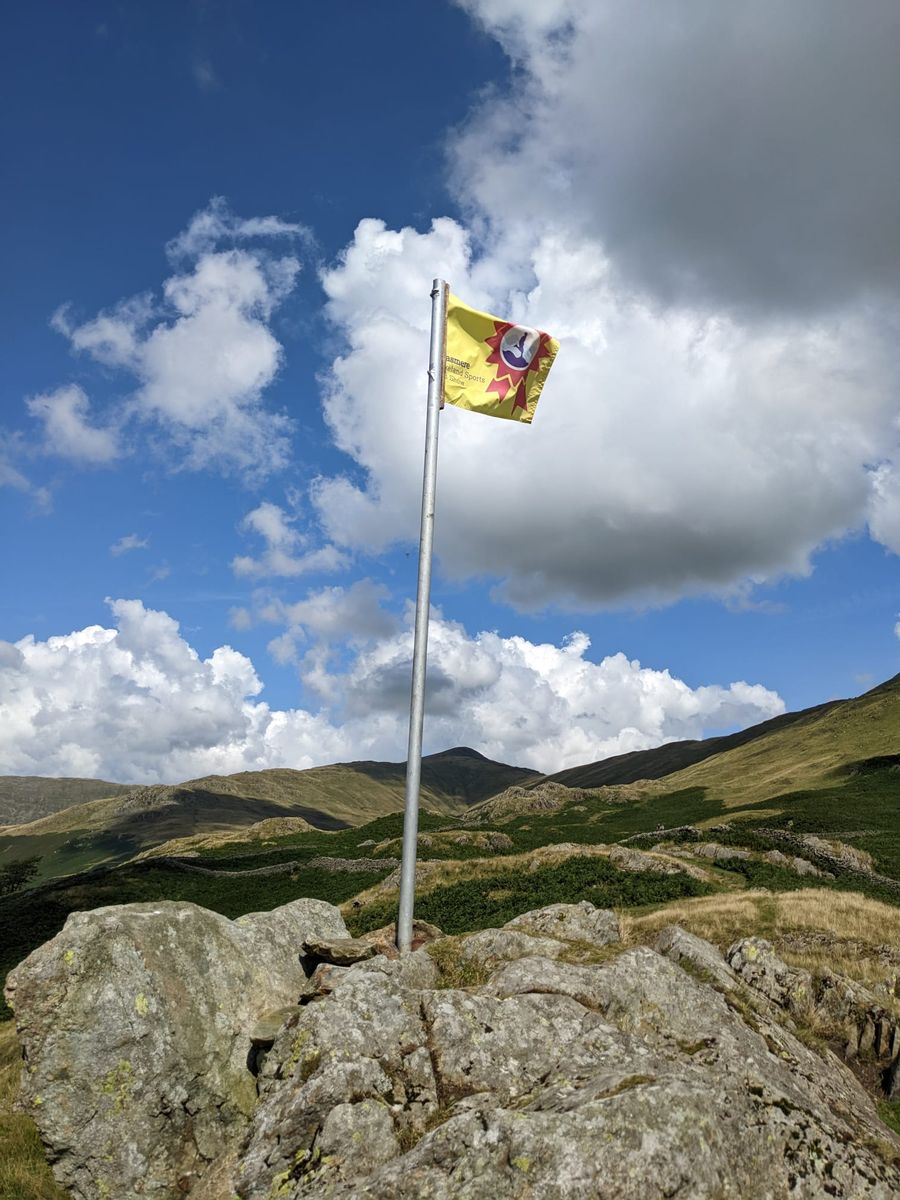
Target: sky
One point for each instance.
(220, 223)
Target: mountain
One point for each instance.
(115, 828)
(795, 750)
(29, 797)
(822, 748)
(675, 756)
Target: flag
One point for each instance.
(493, 366)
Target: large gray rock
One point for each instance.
(632, 1079)
(571, 922)
(490, 946)
(754, 960)
(696, 955)
(135, 1023)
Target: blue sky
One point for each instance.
(220, 221)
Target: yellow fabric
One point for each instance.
(494, 366)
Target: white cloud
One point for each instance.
(68, 431)
(203, 357)
(739, 156)
(204, 75)
(137, 703)
(884, 505)
(707, 240)
(674, 452)
(130, 541)
(353, 613)
(330, 617)
(284, 554)
(542, 705)
(217, 223)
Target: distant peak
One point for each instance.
(459, 752)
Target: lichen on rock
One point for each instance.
(650, 1073)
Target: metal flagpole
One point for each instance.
(439, 293)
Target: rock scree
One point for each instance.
(574, 1068)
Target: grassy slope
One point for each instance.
(807, 754)
(30, 797)
(674, 756)
(113, 830)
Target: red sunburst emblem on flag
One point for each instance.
(512, 345)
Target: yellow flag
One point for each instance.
(494, 366)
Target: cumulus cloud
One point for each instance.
(674, 451)
(704, 207)
(130, 541)
(327, 620)
(543, 705)
(68, 431)
(137, 703)
(884, 505)
(742, 157)
(240, 618)
(352, 613)
(203, 356)
(284, 554)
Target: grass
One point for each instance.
(27, 797)
(24, 1173)
(489, 900)
(329, 797)
(816, 928)
(806, 755)
(889, 1111)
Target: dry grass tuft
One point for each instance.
(24, 1173)
(815, 928)
(455, 970)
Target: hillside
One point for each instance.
(822, 747)
(675, 756)
(328, 798)
(26, 798)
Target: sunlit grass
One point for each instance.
(24, 1173)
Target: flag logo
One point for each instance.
(518, 347)
(493, 366)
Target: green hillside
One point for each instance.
(818, 750)
(329, 798)
(675, 756)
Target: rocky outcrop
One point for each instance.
(627, 859)
(630, 1079)
(134, 1023)
(853, 1015)
(294, 867)
(517, 800)
(488, 840)
(650, 1074)
(794, 863)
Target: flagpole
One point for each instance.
(436, 356)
